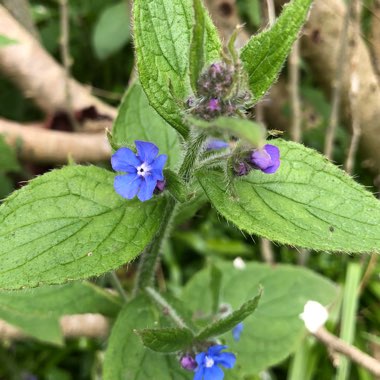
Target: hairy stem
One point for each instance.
(151, 255)
(169, 310)
(118, 286)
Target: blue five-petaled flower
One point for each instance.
(209, 361)
(142, 170)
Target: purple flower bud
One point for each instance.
(242, 168)
(267, 159)
(215, 68)
(160, 186)
(214, 144)
(213, 105)
(190, 102)
(188, 362)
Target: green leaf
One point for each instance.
(137, 120)
(37, 311)
(215, 284)
(126, 356)
(247, 130)
(5, 41)
(170, 339)
(70, 224)
(275, 329)
(111, 31)
(228, 323)
(205, 45)
(265, 53)
(8, 158)
(308, 202)
(163, 34)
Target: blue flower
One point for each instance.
(208, 363)
(237, 330)
(143, 170)
(266, 159)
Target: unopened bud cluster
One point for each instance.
(217, 93)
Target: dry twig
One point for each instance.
(73, 326)
(355, 14)
(38, 75)
(335, 344)
(36, 144)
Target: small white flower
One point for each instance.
(314, 315)
(239, 263)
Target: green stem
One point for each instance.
(117, 285)
(151, 255)
(165, 305)
(193, 149)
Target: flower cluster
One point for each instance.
(143, 171)
(217, 94)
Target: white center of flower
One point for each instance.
(209, 362)
(143, 169)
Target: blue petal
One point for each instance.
(123, 159)
(198, 375)
(147, 188)
(213, 373)
(157, 167)
(127, 185)
(237, 330)
(215, 350)
(146, 151)
(226, 359)
(199, 358)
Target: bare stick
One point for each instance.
(335, 344)
(37, 74)
(21, 10)
(66, 59)
(271, 12)
(337, 87)
(266, 248)
(294, 78)
(47, 146)
(81, 325)
(355, 15)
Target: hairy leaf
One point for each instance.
(273, 331)
(137, 120)
(170, 339)
(265, 53)
(205, 45)
(37, 311)
(163, 34)
(70, 224)
(126, 356)
(228, 323)
(308, 202)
